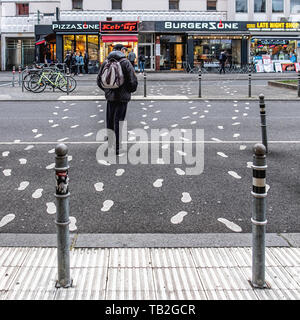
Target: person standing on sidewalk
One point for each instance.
(222, 59)
(132, 57)
(142, 60)
(81, 64)
(118, 98)
(86, 62)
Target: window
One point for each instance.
(259, 5)
(76, 4)
(211, 5)
(241, 5)
(173, 4)
(22, 9)
(295, 6)
(116, 4)
(277, 5)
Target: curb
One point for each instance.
(149, 240)
(282, 85)
(140, 98)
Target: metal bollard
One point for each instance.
(199, 78)
(62, 216)
(258, 219)
(20, 70)
(145, 85)
(262, 107)
(13, 78)
(68, 81)
(249, 82)
(298, 84)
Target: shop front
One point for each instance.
(196, 43)
(80, 38)
(123, 32)
(275, 46)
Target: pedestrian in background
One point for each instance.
(73, 64)
(81, 64)
(67, 60)
(86, 62)
(142, 60)
(118, 98)
(222, 59)
(132, 57)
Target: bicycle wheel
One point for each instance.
(26, 82)
(62, 84)
(36, 84)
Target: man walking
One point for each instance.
(222, 59)
(132, 57)
(118, 98)
(86, 62)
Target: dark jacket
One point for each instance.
(122, 93)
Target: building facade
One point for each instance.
(172, 34)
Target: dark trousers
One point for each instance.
(86, 68)
(115, 112)
(222, 67)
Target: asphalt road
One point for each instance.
(147, 198)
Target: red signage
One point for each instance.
(119, 26)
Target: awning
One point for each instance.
(119, 38)
(41, 41)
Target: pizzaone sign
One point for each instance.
(75, 26)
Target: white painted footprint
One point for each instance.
(23, 185)
(37, 193)
(7, 172)
(158, 183)
(178, 218)
(99, 186)
(186, 197)
(72, 225)
(7, 219)
(230, 225)
(180, 172)
(5, 153)
(119, 172)
(107, 204)
(221, 154)
(22, 161)
(234, 174)
(51, 207)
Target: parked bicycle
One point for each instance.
(38, 78)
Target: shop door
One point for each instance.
(147, 50)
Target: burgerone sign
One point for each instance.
(209, 25)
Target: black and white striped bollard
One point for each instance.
(200, 79)
(249, 81)
(258, 219)
(62, 221)
(13, 76)
(262, 107)
(145, 85)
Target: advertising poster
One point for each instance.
(297, 66)
(278, 67)
(267, 61)
(268, 67)
(259, 67)
(288, 66)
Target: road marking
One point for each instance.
(149, 142)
